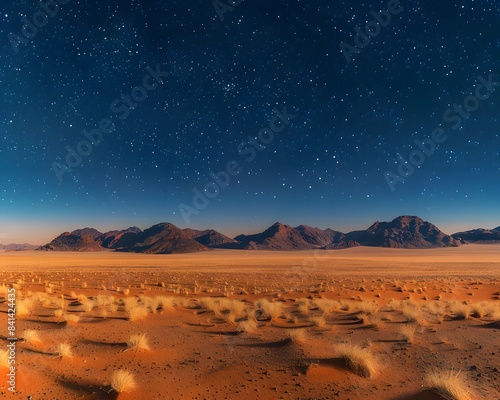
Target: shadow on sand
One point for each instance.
(93, 389)
(103, 344)
(424, 395)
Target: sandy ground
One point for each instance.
(211, 337)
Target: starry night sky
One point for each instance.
(325, 168)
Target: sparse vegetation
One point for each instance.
(367, 307)
(137, 313)
(282, 323)
(408, 332)
(448, 384)
(123, 381)
(64, 350)
(297, 335)
(248, 326)
(271, 310)
(31, 337)
(359, 359)
(320, 322)
(24, 307)
(460, 310)
(138, 342)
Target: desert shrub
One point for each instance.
(248, 326)
(64, 350)
(24, 307)
(122, 381)
(165, 302)
(448, 384)
(359, 359)
(303, 306)
(297, 335)
(325, 305)
(129, 303)
(138, 342)
(88, 305)
(367, 307)
(271, 310)
(460, 310)
(408, 332)
(31, 336)
(320, 322)
(137, 313)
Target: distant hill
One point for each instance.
(409, 232)
(276, 237)
(327, 239)
(118, 239)
(479, 235)
(303, 237)
(69, 241)
(318, 237)
(212, 238)
(17, 247)
(164, 238)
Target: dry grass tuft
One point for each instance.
(325, 305)
(272, 310)
(137, 313)
(448, 384)
(165, 302)
(412, 313)
(303, 306)
(104, 300)
(122, 381)
(460, 310)
(320, 322)
(138, 342)
(88, 305)
(478, 310)
(408, 332)
(71, 318)
(248, 326)
(31, 337)
(297, 335)
(359, 359)
(367, 307)
(129, 303)
(63, 350)
(24, 307)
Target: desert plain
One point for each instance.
(360, 323)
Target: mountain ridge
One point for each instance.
(405, 231)
(479, 235)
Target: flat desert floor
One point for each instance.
(361, 323)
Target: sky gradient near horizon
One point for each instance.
(183, 92)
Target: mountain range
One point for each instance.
(409, 232)
(479, 235)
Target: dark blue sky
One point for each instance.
(89, 63)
